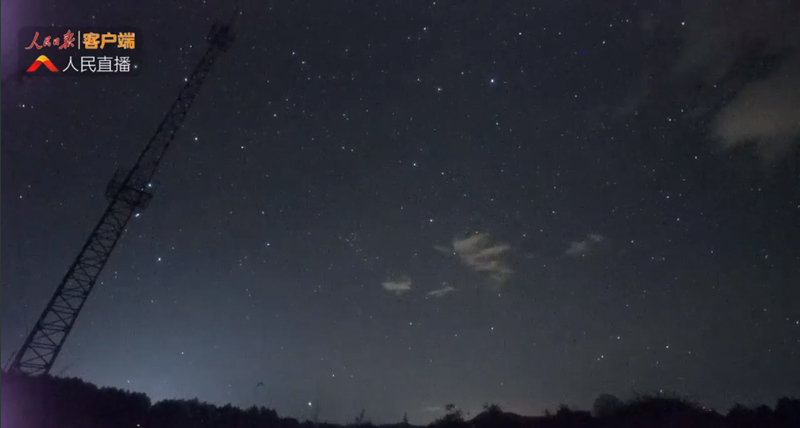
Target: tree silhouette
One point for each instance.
(787, 411)
(606, 405)
(361, 419)
(492, 409)
(453, 417)
(49, 402)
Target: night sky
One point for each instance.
(401, 204)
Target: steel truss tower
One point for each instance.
(127, 192)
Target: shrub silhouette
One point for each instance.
(361, 420)
(787, 411)
(453, 417)
(493, 416)
(493, 410)
(663, 411)
(566, 417)
(606, 405)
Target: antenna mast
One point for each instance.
(127, 192)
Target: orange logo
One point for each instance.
(42, 60)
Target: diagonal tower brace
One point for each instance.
(127, 192)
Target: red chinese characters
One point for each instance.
(48, 41)
(69, 40)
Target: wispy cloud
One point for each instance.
(578, 248)
(765, 113)
(441, 292)
(481, 253)
(445, 250)
(595, 237)
(398, 285)
(581, 248)
(739, 65)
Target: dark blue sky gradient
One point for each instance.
(610, 233)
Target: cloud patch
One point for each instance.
(750, 50)
(398, 285)
(481, 253)
(441, 292)
(765, 112)
(585, 246)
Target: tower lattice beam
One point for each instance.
(127, 192)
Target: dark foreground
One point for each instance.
(47, 402)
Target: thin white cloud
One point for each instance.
(581, 248)
(441, 292)
(723, 42)
(596, 237)
(578, 248)
(397, 286)
(481, 254)
(444, 250)
(764, 112)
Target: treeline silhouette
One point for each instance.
(51, 402)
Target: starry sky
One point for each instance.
(396, 205)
